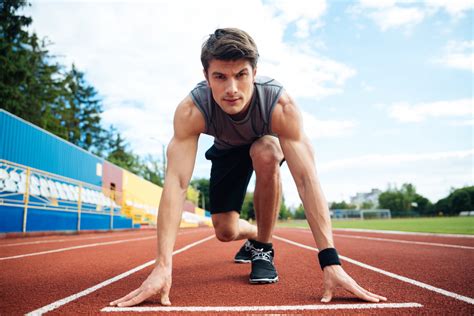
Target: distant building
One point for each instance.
(372, 197)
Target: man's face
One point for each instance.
(231, 83)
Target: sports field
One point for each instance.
(441, 225)
(81, 274)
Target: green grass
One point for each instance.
(445, 225)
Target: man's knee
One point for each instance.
(226, 225)
(266, 154)
(226, 235)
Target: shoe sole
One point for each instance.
(242, 261)
(263, 281)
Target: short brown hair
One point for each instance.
(229, 44)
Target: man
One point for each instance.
(256, 126)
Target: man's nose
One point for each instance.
(231, 88)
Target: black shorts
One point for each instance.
(230, 175)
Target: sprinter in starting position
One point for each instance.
(256, 126)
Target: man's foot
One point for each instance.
(263, 270)
(244, 255)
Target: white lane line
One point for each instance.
(406, 241)
(66, 300)
(259, 308)
(74, 248)
(61, 240)
(85, 238)
(389, 274)
(397, 232)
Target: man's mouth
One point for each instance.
(231, 100)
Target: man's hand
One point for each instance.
(159, 281)
(335, 276)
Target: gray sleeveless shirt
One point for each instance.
(229, 133)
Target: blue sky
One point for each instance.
(385, 87)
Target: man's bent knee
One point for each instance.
(266, 153)
(226, 226)
(226, 235)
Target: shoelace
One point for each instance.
(259, 254)
(248, 246)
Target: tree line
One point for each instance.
(58, 98)
(402, 202)
(405, 201)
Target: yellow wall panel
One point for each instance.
(200, 211)
(140, 196)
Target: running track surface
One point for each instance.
(81, 274)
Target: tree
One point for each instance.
(460, 202)
(119, 153)
(457, 201)
(405, 201)
(150, 169)
(82, 111)
(299, 212)
(470, 191)
(15, 55)
(342, 206)
(442, 206)
(367, 205)
(202, 185)
(29, 83)
(248, 210)
(284, 213)
(423, 205)
(394, 201)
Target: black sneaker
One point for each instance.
(263, 270)
(244, 255)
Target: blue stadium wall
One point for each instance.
(24, 143)
(45, 220)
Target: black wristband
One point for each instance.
(328, 257)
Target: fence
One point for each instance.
(34, 200)
(361, 214)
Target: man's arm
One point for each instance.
(181, 154)
(287, 124)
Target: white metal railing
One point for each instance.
(25, 187)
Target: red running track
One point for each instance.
(422, 274)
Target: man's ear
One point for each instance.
(254, 73)
(205, 75)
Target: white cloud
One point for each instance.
(406, 112)
(372, 160)
(455, 8)
(462, 123)
(305, 74)
(306, 14)
(316, 129)
(393, 14)
(395, 17)
(377, 4)
(367, 87)
(458, 55)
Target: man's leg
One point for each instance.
(266, 155)
(229, 227)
